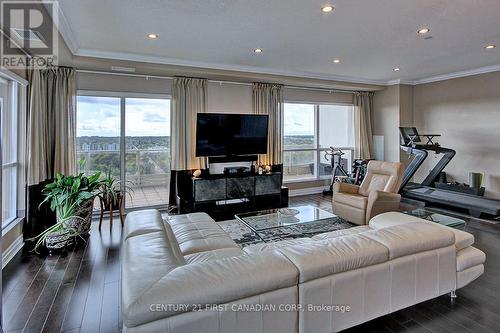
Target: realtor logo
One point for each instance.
(29, 34)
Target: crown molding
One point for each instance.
(69, 38)
(456, 75)
(63, 27)
(400, 81)
(262, 70)
(217, 66)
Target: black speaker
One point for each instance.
(284, 197)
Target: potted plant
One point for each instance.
(72, 198)
(60, 234)
(112, 191)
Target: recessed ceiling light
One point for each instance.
(490, 46)
(258, 50)
(152, 36)
(327, 9)
(423, 31)
(336, 61)
(396, 69)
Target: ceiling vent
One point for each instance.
(27, 35)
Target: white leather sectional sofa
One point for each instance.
(188, 275)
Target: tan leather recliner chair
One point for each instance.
(378, 193)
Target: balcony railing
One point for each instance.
(147, 172)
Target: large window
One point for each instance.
(129, 136)
(9, 116)
(309, 130)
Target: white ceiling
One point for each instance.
(371, 37)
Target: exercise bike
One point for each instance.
(334, 155)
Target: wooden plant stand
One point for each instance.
(120, 211)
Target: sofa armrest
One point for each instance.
(381, 202)
(345, 188)
(190, 286)
(462, 239)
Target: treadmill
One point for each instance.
(413, 143)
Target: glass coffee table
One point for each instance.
(446, 220)
(275, 224)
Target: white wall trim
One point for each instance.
(270, 71)
(399, 81)
(69, 37)
(306, 191)
(12, 250)
(12, 76)
(63, 26)
(475, 71)
(207, 65)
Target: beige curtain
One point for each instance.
(363, 137)
(189, 98)
(51, 124)
(268, 99)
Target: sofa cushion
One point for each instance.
(146, 259)
(213, 255)
(462, 239)
(199, 233)
(469, 257)
(342, 232)
(410, 238)
(275, 245)
(210, 282)
(321, 258)
(189, 218)
(142, 222)
(147, 222)
(353, 200)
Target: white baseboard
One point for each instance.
(12, 250)
(306, 191)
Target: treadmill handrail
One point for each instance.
(421, 152)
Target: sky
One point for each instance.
(299, 119)
(100, 116)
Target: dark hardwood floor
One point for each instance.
(80, 291)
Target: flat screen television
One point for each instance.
(231, 134)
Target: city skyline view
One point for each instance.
(100, 116)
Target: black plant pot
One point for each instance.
(107, 202)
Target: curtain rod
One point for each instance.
(159, 77)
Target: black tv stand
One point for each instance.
(226, 194)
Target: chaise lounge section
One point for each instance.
(187, 275)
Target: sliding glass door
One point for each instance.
(128, 135)
(147, 151)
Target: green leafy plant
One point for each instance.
(62, 226)
(66, 190)
(112, 188)
(66, 194)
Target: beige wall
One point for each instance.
(222, 97)
(466, 111)
(386, 120)
(393, 108)
(229, 98)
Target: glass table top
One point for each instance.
(282, 217)
(446, 220)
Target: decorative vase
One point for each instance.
(58, 240)
(81, 223)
